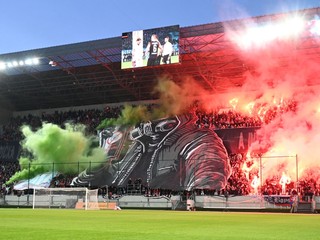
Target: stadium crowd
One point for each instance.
(257, 115)
(238, 183)
(90, 118)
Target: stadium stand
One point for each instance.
(71, 80)
(238, 184)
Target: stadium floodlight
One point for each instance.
(291, 27)
(28, 61)
(2, 66)
(35, 61)
(261, 35)
(19, 63)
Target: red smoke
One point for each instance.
(284, 71)
(282, 78)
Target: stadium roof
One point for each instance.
(89, 73)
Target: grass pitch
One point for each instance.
(154, 224)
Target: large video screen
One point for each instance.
(150, 47)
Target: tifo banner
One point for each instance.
(40, 181)
(278, 199)
(171, 153)
(237, 140)
(9, 150)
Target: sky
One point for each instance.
(33, 24)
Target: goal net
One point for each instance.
(72, 198)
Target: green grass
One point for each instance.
(154, 224)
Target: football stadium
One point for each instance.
(207, 131)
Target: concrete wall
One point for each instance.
(162, 202)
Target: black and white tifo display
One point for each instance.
(170, 153)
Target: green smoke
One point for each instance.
(132, 115)
(52, 148)
(174, 99)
